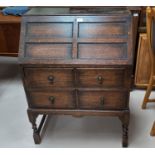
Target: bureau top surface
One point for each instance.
(48, 11)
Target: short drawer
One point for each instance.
(53, 99)
(109, 100)
(104, 77)
(49, 77)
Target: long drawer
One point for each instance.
(77, 77)
(81, 99)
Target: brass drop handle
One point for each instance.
(102, 100)
(100, 79)
(51, 99)
(50, 78)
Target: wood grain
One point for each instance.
(100, 30)
(143, 66)
(55, 30)
(101, 77)
(62, 100)
(78, 64)
(102, 100)
(105, 51)
(49, 77)
(53, 51)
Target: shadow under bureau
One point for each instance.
(76, 62)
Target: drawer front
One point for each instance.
(49, 77)
(107, 77)
(53, 99)
(108, 100)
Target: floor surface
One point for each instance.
(67, 131)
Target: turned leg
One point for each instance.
(36, 130)
(32, 118)
(125, 136)
(125, 123)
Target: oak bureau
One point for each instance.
(77, 62)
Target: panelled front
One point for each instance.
(102, 29)
(50, 37)
(72, 46)
(78, 37)
(103, 38)
(106, 51)
(46, 50)
(77, 63)
(50, 29)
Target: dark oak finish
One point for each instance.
(77, 62)
(49, 77)
(109, 51)
(53, 51)
(54, 99)
(102, 29)
(102, 100)
(101, 77)
(50, 29)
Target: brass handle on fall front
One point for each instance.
(100, 79)
(51, 99)
(102, 101)
(50, 78)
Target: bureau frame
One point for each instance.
(85, 58)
